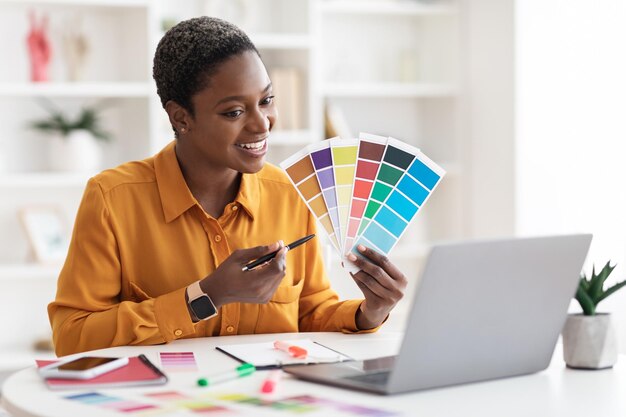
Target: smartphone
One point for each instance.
(86, 367)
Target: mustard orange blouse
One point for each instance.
(140, 238)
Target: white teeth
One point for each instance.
(254, 146)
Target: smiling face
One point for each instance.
(232, 117)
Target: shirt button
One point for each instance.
(230, 329)
(234, 208)
(218, 238)
(178, 332)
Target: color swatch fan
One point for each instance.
(363, 191)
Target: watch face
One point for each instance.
(202, 307)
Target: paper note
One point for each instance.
(264, 355)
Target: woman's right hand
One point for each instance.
(229, 284)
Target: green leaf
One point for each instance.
(100, 134)
(586, 303)
(584, 283)
(595, 291)
(88, 119)
(611, 290)
(44, 125)
(593, 278)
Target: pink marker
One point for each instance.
(270, 383)
(294, 351)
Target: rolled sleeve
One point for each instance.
(90, 310)
(172, 316)
(347, 311)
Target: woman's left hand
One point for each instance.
(382, 284)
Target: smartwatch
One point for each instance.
(200, 303)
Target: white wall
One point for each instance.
(571, 128)
(489, 129)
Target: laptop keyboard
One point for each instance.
(378, 378)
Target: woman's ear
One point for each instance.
(179, 117)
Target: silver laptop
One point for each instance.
(483, 310)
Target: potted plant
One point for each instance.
(589, 340)
(75, 141)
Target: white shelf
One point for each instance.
(81, 89)
(28, 271)
(86, 3)
(44, 179)
(291, 137)
(410, 90)
(276, 40)
(281, 40)
(387, 8)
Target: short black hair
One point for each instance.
(190, 52)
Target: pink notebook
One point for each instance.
(139, 371)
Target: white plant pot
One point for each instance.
(77, 152)
(589, 342)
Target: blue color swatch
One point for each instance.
(423, 174)
(399, 207)
(393, 223)
(379, 237)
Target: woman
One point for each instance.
(159, 244)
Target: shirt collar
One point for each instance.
(249, 195)
(176, 198)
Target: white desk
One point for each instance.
(557, 391)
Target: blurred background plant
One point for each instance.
(61, 123)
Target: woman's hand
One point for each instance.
(229, 284)
(382, 284)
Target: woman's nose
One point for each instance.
(262, 121)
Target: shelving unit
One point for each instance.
(388, 89)
(281, 40)
(118, 75)
(387, 8)
(394, 67)
(395, 71)
(77, 90)
(81, 3)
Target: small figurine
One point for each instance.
(39, 48)
(75, 48)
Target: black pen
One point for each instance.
(269, 256)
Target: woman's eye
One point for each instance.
(233, 114)
(268, 100)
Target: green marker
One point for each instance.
(242, 370)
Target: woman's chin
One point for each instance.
(254, 167)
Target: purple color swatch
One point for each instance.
(341, 406)
(322, 158)
(326, 178)
(330, 198)
(109, 402)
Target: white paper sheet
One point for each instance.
(263, 355)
